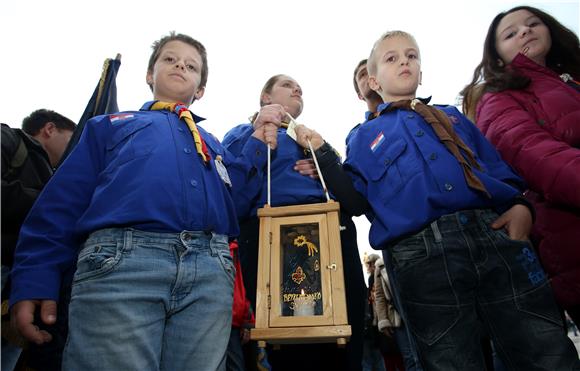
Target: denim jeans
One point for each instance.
(150, 301)
(405, 340)
(458, 278)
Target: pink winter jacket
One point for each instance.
(537, 131)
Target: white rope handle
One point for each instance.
(269, 181)
(318, 170)
(315, 164)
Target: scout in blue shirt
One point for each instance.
(449, 211)
(146, 203)
(292, 185)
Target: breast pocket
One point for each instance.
(383, 171)
(131, 140)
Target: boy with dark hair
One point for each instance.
(28, 158)
(145, 203)
(34, 122)
(453, 218)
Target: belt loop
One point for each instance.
(436, 232)
(128, 239)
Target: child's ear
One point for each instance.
(373, 84)
(149, 78)
(199, 93)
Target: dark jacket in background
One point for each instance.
(21, 184)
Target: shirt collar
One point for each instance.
(147, 107)
(369, 115)
(383, 106)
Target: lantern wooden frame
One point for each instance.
(271, 325)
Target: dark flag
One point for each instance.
(103, 101)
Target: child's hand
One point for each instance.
(270, 114)
(267, 123)
(306, 167)
(22, 317)
(303, 134)
(517, 221)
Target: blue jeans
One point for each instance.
(403, 336)
(458, 278)
(150, 301)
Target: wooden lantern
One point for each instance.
(300, 285)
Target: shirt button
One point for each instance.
(180, 129)
(387, 161)
(258, 153)
(410, 116)
(448, 186)
(419, 133)
(187, 150)
(193, 183)
(433, 156)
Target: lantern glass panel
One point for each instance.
(301, 281)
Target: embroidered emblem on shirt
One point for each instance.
(378, 141)
(122, 116)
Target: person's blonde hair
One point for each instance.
(371, 62)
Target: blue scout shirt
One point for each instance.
(288, 187)
(368, 116)
(410, 178)
(132, 169)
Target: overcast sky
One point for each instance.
(53, 51)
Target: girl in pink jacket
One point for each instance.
(527, 103)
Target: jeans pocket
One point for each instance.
(227, 263)
(521, 259)
(501, 234)
(409, 252)
(97, 259)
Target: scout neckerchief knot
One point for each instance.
(446, 134)
(181, 110)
